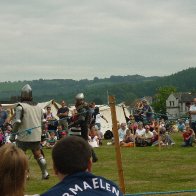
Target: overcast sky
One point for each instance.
(78, 39)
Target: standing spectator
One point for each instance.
(138, 111)
(49, 115)
(97, 116)
(192, 112)
(50, 119)
(63, 113)
(3, 116)
(72, 165)
(147, 110)
(130, 119)
(92, 110)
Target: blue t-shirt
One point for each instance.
(84, 184)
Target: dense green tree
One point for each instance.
(159, 104)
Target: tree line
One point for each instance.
(124, 88)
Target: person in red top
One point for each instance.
(188, 136)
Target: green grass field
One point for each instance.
(146, 169)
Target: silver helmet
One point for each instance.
(26, 93)
(80, 96)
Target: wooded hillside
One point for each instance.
(125, 88)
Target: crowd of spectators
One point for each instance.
(139, 129)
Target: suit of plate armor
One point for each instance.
(28, 127)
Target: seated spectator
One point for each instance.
(148, 135)
(52, 140)
(60, 132)
(99, 134)
(73, 165)
(1, 137)
(166, 138)
(174, 127)
(93, 138)
(122, 131)
(7, 133)
(181, 126)
(157, 135)
(13, 172)
(188, 137)
(3, 117)
(133, 127)
(45, 135)
(139, 135)
(162, 123)
(128, 140)
(152, 125)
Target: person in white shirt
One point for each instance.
(97, 117)
(139, 135)
(122, 131)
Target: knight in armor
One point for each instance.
(84, 118)
(28, 127)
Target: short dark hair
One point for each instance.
(71, 154)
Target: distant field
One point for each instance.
(146, 169)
